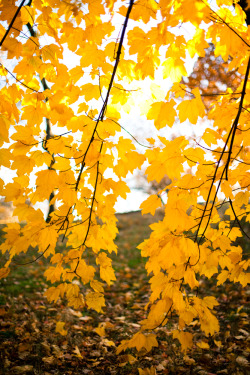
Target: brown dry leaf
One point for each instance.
(242, 361)
(107, 342)
(244, 332)
(2, 311)
(24, 346)
(189, 361)
(22, 369)
(56, 351)
(78, 314)
(85, 318)
(46, 347)
(160, 367)
(49, 360)
(77, 352)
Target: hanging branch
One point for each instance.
(12, 22)
(228, 143)
(99, 119)
(48, 131)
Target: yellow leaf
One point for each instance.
(95, 301)
(41, 157)
(226, 189)
(107, 274)
(76, 301)
(34, 114)
(107, 342)
(77, 352)
(139, 340)
(163, 114)
(209, 323)
(147, 371)
(91, 91)
(150, 204)
(189, 277)
(4, 272)
(100, 330)
(85, 271)
(185, 339)
(47, 180)
(60, 328)
(210, 301)
(4, 127)
(203, 345)
(97, 286)
(23, 164)
(190, 110)
(5, 157)
(47, 240)
(218, 343)
(12, 191)
(174, 69)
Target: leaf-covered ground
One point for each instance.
(29, 343)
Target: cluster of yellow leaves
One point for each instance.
(80, 166)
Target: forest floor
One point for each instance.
(30, 345)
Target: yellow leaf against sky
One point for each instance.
(197, 43)
(12, 191)
(226, 189)
(34, 114)
(163, 113)
(47, 180)
(90, 91)
(174, 69)
(90, 54)
(150, 204)
(5, 157)
(145, 10)
(51, 52)
(23, 164)
(41, 157)
(76, 73)
(4, 127)
(191, 109)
